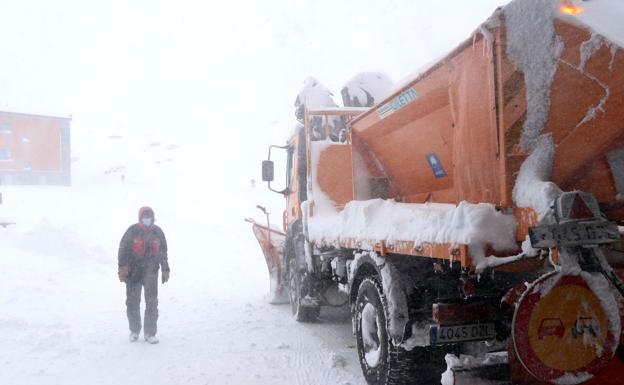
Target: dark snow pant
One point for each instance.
(133, 301)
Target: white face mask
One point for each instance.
(147, 222)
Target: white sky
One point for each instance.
(218, 75)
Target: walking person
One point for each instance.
(142, 251)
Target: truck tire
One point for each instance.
(297, 292)
(382, 362)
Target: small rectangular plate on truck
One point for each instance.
(441, 335)
(573, 234)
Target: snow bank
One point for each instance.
(369, 222)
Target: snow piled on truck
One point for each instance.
(534, 48)
(533, 188)
(314, 95)
(369, 222)
(366, 89)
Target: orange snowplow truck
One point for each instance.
(475, 213)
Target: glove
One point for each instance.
(122, 272)
(165, 276)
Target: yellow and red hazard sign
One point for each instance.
(564, 331)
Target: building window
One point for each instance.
(5, 154)
(5, 128)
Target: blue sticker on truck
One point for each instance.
(398, 102)
(436, 165)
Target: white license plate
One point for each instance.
(451, 334)
(574, 234)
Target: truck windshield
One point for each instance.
(322, 127)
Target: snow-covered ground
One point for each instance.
(62, 310)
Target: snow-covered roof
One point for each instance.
(366, 89)
(314, 95)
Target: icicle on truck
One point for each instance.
(474, 212)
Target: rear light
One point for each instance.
(569, 8)
(466, 286)
(468, 289)
(576, 205)
(579, 209)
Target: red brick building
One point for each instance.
(34, 149)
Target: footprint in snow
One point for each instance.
(337, 361)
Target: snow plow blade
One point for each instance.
(494, 370)
(271, 242)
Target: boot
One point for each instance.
(151, 339)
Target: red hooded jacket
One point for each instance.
(143, 248)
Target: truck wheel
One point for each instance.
(382, 362)
(296, 293)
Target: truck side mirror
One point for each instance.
(267, 171)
